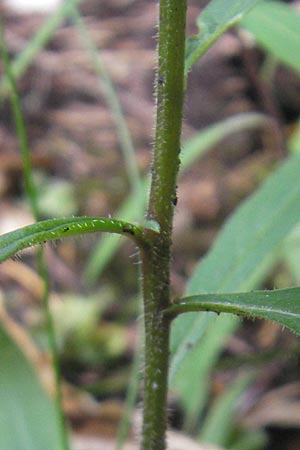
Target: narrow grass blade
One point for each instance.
(38, 42)
(114, 105)
(32, 197)
(215, 19)
(27, 415)
(276, 27)
(290, 255)
(204, 140)
(293, 142)
(190, 371)
(132, 389)
(52, 229)
(219, 423)
(282, 305)
(20, 127)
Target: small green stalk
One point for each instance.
(156, 256)
(33, 200)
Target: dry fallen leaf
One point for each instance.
(280, 407)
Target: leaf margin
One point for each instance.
(54, 229)
(237, 303)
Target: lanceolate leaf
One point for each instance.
(251, 233)
(47, 230)
(282, 306)
(27, 415)
(276, 27)
(247, 241)
(248, 238)
(214, 20)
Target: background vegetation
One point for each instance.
(82, 166)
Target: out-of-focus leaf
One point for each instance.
(276, 27)
(219, 423)
(82, 335)
(214, 20)
(56, 197)
(247, 240)
(27, 416)
(290, 254)
(191, 366)
(254, 230)
(293, 142)
(204, 140)
(282, 305)
(250, 439)
(38, 42)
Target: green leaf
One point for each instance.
(27, 416)
(250, 439)
(293, 141)
(290, 255)
(282, 305)
(55, 197)
(197, 354)
(214, 20)
(245, 244)
(251, 233)
(276, 27)
(48, 230)
(113, 102)
(220, 421)
(204, 140)
(108, 244)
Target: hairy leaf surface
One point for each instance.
(282, 305)
(52, 229)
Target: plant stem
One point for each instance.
(51, 335)
(156, 256)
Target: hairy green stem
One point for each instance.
(156, 256)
